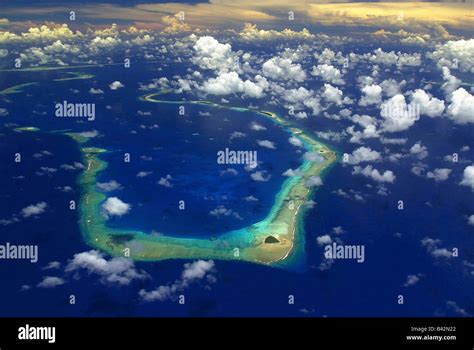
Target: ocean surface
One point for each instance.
(163, 143)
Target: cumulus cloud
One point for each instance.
(328, 73)
(196, 271)
(266, 144)
(251, 32)
(283, 69)
(313, 181)
(332, 94)
(455, 54)
(461, 109)
(374, 174)
(223, 211)
(397, 114)
(363, 154)
(419, 150)
(116, 85)
(34, 209)
(470, 220)
(323, 240)
(230, 83)
(116, 271)
(257, 127)
(432, 246)
(428, 105)
(211, 54)
(372, 95)
(468, 177)
(50, 282)
(260, 176)
(109, 186)
(439, 175)
(95, 91)
(113, 206)
(165, 181)
(295, 141)
(412, 280)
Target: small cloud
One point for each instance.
(260, 176)
(95, 91)
(254, 199)
(116, 85)
(324, 240)
(50, 282)
(196, 271)
(144, 173)
(53, 265)
(468, 177)
(116, 271)
(266, 143)
(223, 211)
(109, 186)
(115, 207)
(412, 280)
(34, 209)
(165, 181)
(295, 141)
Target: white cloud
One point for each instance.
(313, 181)
(109, 186)
(324, 240)
(193, 272)
(363, 154)
(292, 172)
(266, 144)
(95, 91)
(34, 209)
(283, 69)
(455, 54)
(470, 220)
(230, 83)
(223, 211)
(428, 105)
(295, 141)
(257, 127)
(439, 174)
(50, 282)
(372, 95)
(113, 206)
(374, 174)
(119, 271)
(332, 94)
(144, 173)
(165, 181)
(419, 150)
(451, 83)
(461, 109)
(116, 85)
(412, 280)
(328, 73)
(468, 177)
(259, 176)
(251, 32)
(397, 114)
(211, 54)
(432, 246)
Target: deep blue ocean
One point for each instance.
(185, 147)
